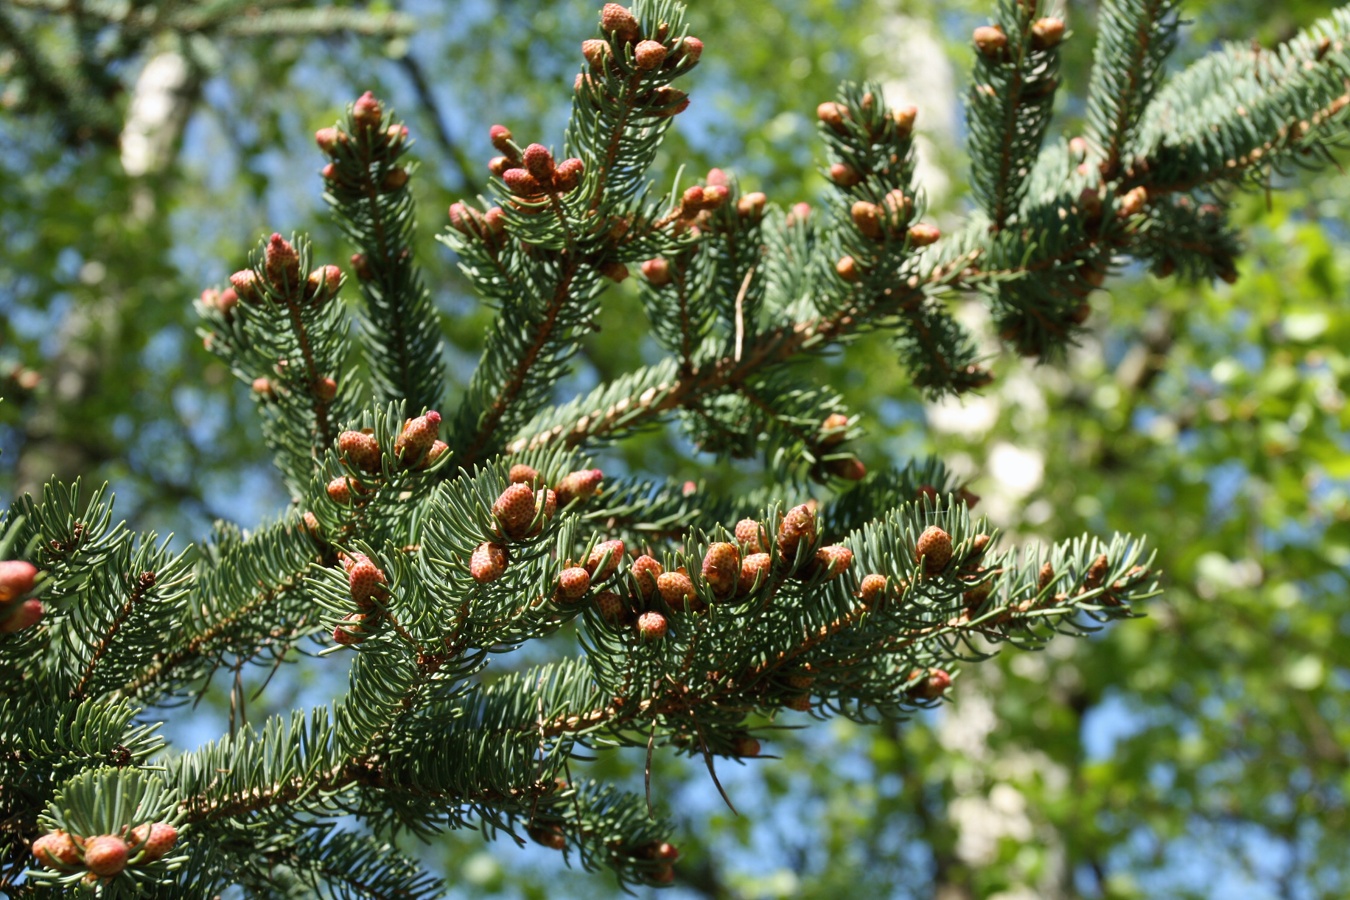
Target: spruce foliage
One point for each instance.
(423, 554)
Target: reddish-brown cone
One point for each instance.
(646, 571)
(488, 562)
(934, 547)
(754, 568)
(620, 21)
(352, 630)
(651, 626)
(747, 534)
(573, 583)
(656, 271)
(580, 485)
(677, 590)
(16, 579)
(933, 685)
(833, 560)
(649, 55)
(722, 567)
(514, 509)
(539, 163)
(105, 855)
(568, 174)
(281, 263)
(367, 112)
(611, 606)
(523, 474)
(25, 615)
(340, 490)
(153, 841)
(990, 41)
(872, 589)
(366, 582)
(56, 849)
(798, 525)
(417, 437)
(615, 551)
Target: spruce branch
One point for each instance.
(367, 189)
(1134, 39)
(1016, 74)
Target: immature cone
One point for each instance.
(579, 485)
(539, 163)
(867, 219)
(596, 52)
(798, 525)
(281, 263)
(904, 117)
(615, 551)
(327, 139)
(154, 841)
(747, 534)
(1132, 203)
(844, 175)
(921, 234)
(754, 570)
(438, 449)
(691, 51)
(649, 55)
(677, 589)
(245, 284)
(751, 206)
(722, 567)
(105, 855)
(872, 589)
(360, 450)
(340, 490)
(366, 582)
(651, 626)
(990, 41)
(1047, 32)
(325, 389)
(263, 387)
(352, 630)
(646, 571)
(500, 136)
(323, 283)
(801, 702)
(833, 430)
(514, 509)
(417, 437)
(488, 562)
(16, 579)
(56, 849)
(934, 684)
(934, 547)
(568, 174)
(847, 268)
(656, 271)
(394, 179)
(833, 560)
(547, 502)
(714, 195)
(620, 21)
(611, 606)
(832, 114)
(523, 474)
(573, 583)
(522, 183)
(670, 101)
(366, 111)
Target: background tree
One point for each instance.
(1261, 679)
